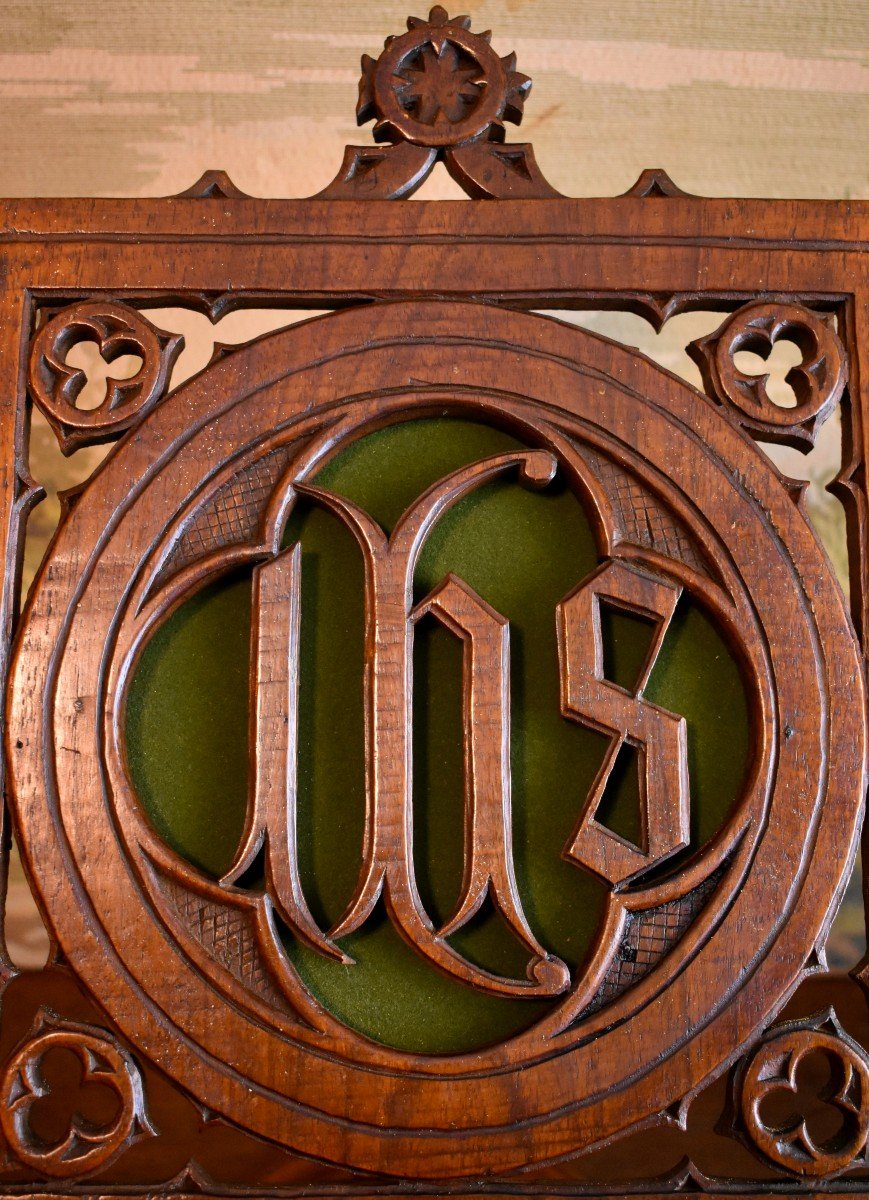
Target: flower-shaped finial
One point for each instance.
(440, 85)
(440, 93)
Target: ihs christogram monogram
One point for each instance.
(391, 615)
(648, 912)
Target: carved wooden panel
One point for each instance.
(205, 1021)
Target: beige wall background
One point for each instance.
(731, 97)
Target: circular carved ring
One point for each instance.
(774, 1067)
(571, 1080)
(818, 381)
(117, 329)
(85, 1148)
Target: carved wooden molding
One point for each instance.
(641, 1063)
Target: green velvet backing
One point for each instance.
(523, 551)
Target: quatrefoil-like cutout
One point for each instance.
(57, 384)
(804, 1098)
(817, 380)
(774, 363)
(74, 1098)
(70, 1099)
(101, 372)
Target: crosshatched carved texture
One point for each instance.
(647, 937)
(230, 517)
(640, 517)
(228, 936)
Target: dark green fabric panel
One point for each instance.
(187, 733)
(521, 550)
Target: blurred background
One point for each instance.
(732, 97)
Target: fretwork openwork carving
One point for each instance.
(583, 648)
(84, 1144)
(117, 329)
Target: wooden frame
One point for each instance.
(439, 301)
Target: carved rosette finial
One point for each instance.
(440, 91)
(439, 84)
